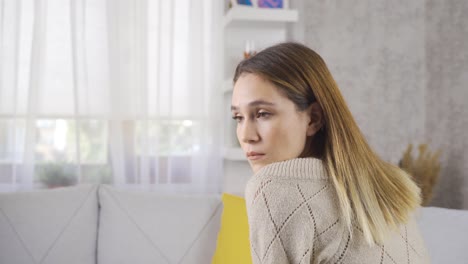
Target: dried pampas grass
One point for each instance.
(424, 169)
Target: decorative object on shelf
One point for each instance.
(424, 169)
(282, 4)
(249, 50)
(251, 3)
(241, 15)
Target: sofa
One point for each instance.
(90, 224)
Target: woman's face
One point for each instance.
(269, 127)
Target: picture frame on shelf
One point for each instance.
(273, 4)
(246, 3)
(276, 4)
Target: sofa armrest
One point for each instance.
(445, 232)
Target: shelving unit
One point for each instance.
(239, 15)
(263, 26)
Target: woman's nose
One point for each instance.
(248, 132)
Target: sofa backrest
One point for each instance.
(91, 224)
(49, 226)
(144, 227)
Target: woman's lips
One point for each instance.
(254, 155)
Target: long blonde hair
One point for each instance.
(374, 194)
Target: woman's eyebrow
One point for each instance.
(254, 103)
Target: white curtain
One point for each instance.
(118, 91)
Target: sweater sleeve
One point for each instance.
(281, 223)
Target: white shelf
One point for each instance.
(234, 154)
(244, 14)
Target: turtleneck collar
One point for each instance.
(298, 168)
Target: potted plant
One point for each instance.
(57, 174)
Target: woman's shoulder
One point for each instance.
(295, 207)
(293, 200)
(287, 189)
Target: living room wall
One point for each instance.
(447, 96)
(402, 66)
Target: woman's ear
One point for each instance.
(316, 119)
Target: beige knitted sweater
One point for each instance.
(294, 218)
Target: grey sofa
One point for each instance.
(89, 224)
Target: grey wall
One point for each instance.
(447, 96)
(402, 67)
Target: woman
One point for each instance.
(319, 193)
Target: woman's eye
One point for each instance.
(237, 118)
(263, 114)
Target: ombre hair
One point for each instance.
(373, 194)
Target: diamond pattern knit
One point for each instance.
(293, 217)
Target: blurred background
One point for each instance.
(137, 93)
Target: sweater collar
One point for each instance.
(298, 168)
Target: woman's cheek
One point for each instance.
(267, 130)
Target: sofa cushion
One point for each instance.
(445, 232)
(146, 227)
(49, 226)
(233, 244)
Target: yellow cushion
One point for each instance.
(233, 237)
